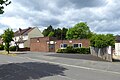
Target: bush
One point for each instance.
(69, 49)
(1, 47)
(13, 48)
(60, 51)
(82, 50)
(74, 50)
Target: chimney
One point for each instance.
(20, 29)
(29, 27)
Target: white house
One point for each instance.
(117, 45)
(22, 36)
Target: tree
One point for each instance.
(7, 38)
(51, 34)
(79, 31)
(47, 31)
(64, 31)
(57, 33)
(102, 40)
(60, 33)
(2, 3)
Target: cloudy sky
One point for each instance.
(102, 16)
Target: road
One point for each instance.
(51, 66)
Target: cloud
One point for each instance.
(102, 16)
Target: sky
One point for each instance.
(102, 16)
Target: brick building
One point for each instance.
(50, 44)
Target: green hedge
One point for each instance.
(70, 49)
(13, 48)
(1, 47)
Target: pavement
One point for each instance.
(52, 66)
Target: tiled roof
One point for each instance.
(117, 38)
(22, 41)
(23, 31)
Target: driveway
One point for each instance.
(52, 66)
(77, 56)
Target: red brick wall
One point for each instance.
(42, 45)
(85, 43)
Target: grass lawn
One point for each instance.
(5, 53)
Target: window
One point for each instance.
(77, 45)
(63, 45)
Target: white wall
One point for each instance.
(21, 45)
(25, 37)
(35, 33)
(16, 38)
(12, 43)
(117, 48)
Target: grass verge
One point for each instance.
(10, 54)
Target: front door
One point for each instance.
(52, 48)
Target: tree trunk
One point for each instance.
(8, 52)
(8, 48)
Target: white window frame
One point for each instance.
(62, 45)
(78, 45)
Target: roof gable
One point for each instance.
(23, 31)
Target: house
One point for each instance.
(117, 45)
(51, 44)
(22, 36)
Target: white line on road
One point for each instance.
(81, 67)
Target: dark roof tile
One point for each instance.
(23, 31)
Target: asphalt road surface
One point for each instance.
(51, 66)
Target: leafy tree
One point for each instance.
(64, 31)
(2, 3)
(47, 31)
(7, 38)
(102, 40)
(51, 34)
(57, 33)
(60, 33)
(79, 31)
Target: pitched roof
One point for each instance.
(23, 31)
(117, 38)
(21, 41)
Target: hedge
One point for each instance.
(13, 48)
(74, 50)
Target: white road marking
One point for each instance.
(75, 66)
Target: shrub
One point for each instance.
(13, 48)
(1, 47)
(82, 50)
(74, 50)
(69, 49)
(60, 51)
